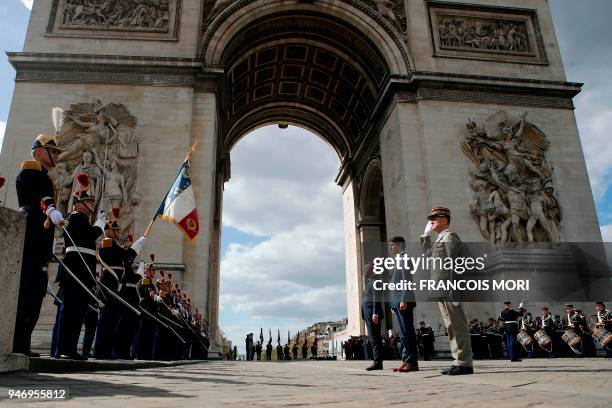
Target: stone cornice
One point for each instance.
(113, 69)
(423, 85)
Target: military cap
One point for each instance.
(439, 211)
(569, 305)
(46, 140)
(600, 304)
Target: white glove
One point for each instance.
(140, 270)
(175, 312)
(100, 220)
(521, 305)
(137, 246)
(55, 216)
(158, 298)
(428, 229)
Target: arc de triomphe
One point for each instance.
(390, 85)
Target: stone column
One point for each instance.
(12, 233)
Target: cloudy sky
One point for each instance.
(282, 263)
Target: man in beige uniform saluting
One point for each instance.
(448, 245)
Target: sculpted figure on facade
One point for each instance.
(99, 139)
(117, 14)
(513, 197)
(483, 33)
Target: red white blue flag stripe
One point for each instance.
(179, 206)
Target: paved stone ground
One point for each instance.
(559, 383)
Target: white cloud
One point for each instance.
(595, 122)
(606, 233)
(2, 129)
(28, 3)
(282, 188)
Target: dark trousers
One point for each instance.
(510, 346)
(375, 340)
(32, 291)
(71, 316)
(143, 347)
(105, 329)
(428, 348)
(125, 334)
(405, 326)
(91, 321)
(55, 333)
(163, 343)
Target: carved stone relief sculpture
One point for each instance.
(99, 139)
(155, 19)
(486, 32)
(131, 14)
(513, 197)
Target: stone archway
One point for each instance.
(307, 66)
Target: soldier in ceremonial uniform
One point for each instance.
(294, 350)
(449, 245)
(163, 338)
(476, 339)
(269, 351)
(604, 320)
(36, 197)
(548, 325)
(286, 352)
(80, 258)
(576, 322)
(426, 335)
(510, 318)
(115, 261)
(528, 325)
(305, 349)
(143, 346)
(279, 352)
(128, 321)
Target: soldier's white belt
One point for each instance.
(131, 285)
(81, 250)
(510, 322)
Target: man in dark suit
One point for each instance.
(402, 305)
(373, 314)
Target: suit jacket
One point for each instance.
(371, 302)
(394, 297)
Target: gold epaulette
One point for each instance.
(162, 293)
(107, 242)
(146, 281)
(31, 165)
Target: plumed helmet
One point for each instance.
(46, 140)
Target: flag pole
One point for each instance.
(187, 158)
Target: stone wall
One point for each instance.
(12, 232)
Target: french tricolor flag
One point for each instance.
(179, 206)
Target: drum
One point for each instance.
(524, 338)
(602, 336)
(571, 338)
(591, 322)
(542, 338)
